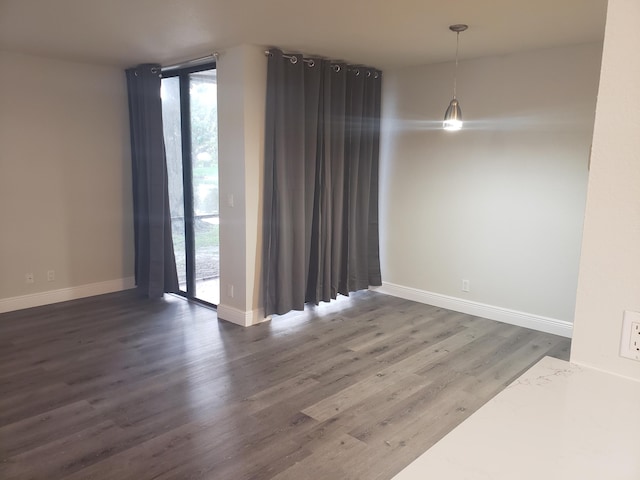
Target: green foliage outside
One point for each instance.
(207, 235)
(204, 161)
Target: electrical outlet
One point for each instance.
(635, 339)
(465, 285)
(51, 275)
(230, 291)
(29, 278)
(630, 342)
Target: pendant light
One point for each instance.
(453, 115)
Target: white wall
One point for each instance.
(609, 280)
(242, 76)
(501, 202)
(65, 181)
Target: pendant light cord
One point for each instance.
(455, 72)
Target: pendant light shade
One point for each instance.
(453, 115)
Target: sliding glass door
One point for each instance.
(190, 116)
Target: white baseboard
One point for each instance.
(240, 317)
(64, 294)
(514, 317)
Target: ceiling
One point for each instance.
(380, 33)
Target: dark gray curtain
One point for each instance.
(155, 265)
(321, 181)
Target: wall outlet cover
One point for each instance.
(630, 340)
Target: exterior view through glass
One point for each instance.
(190, 113)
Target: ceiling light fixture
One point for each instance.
(453, 115)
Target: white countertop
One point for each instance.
(557, 421)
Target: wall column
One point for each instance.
(242, 82)
(609, 279)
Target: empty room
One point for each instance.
(319, 240)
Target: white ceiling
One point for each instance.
(381, 33)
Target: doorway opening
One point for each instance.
(190, 118)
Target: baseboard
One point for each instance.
(240, 317)
(64, 294)
(514, 317)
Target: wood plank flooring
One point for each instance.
(118, 387)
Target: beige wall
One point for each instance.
(65, 187)
(231, 168)
(609, 280)
(242, 76)
(501, 202)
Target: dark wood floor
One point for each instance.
(116, 387)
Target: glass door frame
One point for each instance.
(187, 174)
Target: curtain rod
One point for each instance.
(293, 58)
(335, 65)
(188, 63)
